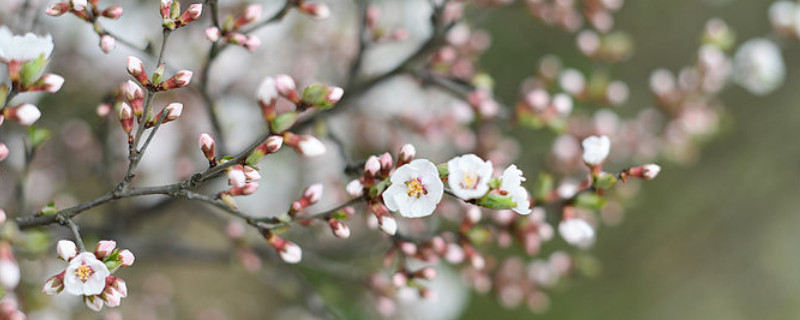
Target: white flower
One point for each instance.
(24, 48)
(95, 303)
(511, 183)
(469, 176)
(85, 275)
(66, 249)
(291, 253)
(416, 189)
(355, 188)
(758, 66)
(577, 232)
(595, 149)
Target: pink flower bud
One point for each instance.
(355, 188)
(386, 163)
(313, 193)
(127, 259)
(286, 87)
(57, 9)
(54, 284)
(132, 91)
(78, 5)
(9, 269)
(52, 82)
(112, 12)
(647, 172)
(236, 177)
(274, 143)
(212, 33)
(289, 251)
(111, 297)
(316, 10)
(107, 43)
(400, 279)
(334, 94)
(251, 174)
(104, 249)
(206, 144)
(251, 13)
(3, 153)
(407, 153)
(388, 224)
(66, 250)
(94, 303)
(427, 273)
(166, 6)
(26, 114)
(372, 166)
(340, 229)
(136, 69)
(174, 111)
(191, 14)
(252, 43)
(117, 284)
(126, 117)
(179, 80)
(307, 146)
(248, 189)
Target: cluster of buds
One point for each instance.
(243, 180)
(458, 58)
(171, 15)
(231, 29)
(569, 16)
(135, 68)
(89, 274)
(89, 12)
(379, 33)
(317, 10)
(311, 195)
(288, 251)
(315, 96)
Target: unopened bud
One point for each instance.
(372, 166)
(334, 95)
(386, 163)
(126, 117)
(57, 9)
(316, 10)
(388, 224)
(251, 13)
(51, 82)
(289, 251)
(340, 230)
(104, 249)
(136, 69)
(252, 43)
(66, 250)
(26, 114)
(9, 268)
(427, 273)
(191, 14)
(313, 193)
(251, 174)
(127, 259)
(78, 5)
(407, 153)
(112, 12)
(308, 146)
(236, 177)
(212, 33)
(248, 189)
(132, 91)
(164, 9)
(647, 172)
(3, 153)
(355, 188)
(179, 80)
(107, 43)
(286, 87)
(206, 144)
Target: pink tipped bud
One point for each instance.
(132, 91)
(136, 69)
(78, 5)
(274, 143)
(164, 9)
(355, 188)
(386, 163)
(112, 12)
(647, 172)
(206, 144)
(251, 174)
(286, 87)
(179, 80)
(3, 154)
(400, 279)
(340, 230)
(372, 166)
(191, 14)
(126, 117)
(174, 111)
(388, 224)
(104, 249)
(427, 273)
(407, 153)
(26, 114)
(107, 43)
(313, 193)
(54, 285)
(9, 268)
(316, 10)
(291, 253)
(127, 259)
(236, 177)
(252, 43)
(66, 250)
(94, 303)
(212, 33)
(248, 189)
(307, 146)
(334, 94)
(57, 9)
(251, 13)
(52, 82)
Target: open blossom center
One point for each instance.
(416, 188)
(471, 179)
(84, 272)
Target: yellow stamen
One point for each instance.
(470, 180)
(415, 188)
(84, 272)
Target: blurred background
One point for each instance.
(713, 238)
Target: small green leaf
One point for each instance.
(283, 122)
(591, 201)
(495, 183)
(339, 215)
(316, 95)
(443, 171)
(32, 70)
(496, 201)
(378, 188)
(605, 181)
(49, 209)
(254, 158)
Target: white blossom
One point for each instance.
(416, 189)
(577, 232)
(291, 253)
(758, 66)
(85, 275)
(595, 149)
(24, 48)
(511, 184)
(468, 176)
